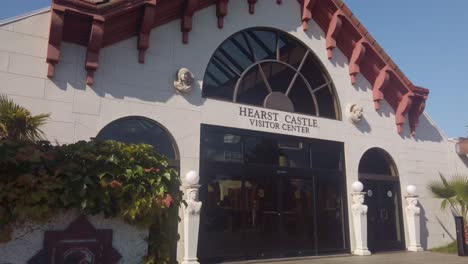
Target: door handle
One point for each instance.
(383, 214)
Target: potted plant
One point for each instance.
(454, 195)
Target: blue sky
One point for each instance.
(427, 39)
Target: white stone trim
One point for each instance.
(24, 16)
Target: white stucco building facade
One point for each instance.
(124, 87)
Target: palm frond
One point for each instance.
(453, 192)
(17, 123)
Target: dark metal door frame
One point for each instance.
(281, 172)
(377, 182)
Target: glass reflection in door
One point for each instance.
(262, 219)
(297, 216)
(280, 219)
(222, 214)
(331, 220)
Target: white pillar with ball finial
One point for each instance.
(413, 213)
(359, 213)
(191, 218)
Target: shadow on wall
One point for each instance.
(338, 61)
(426, 131)
(423, 225)
(362, 84)
(314, 31)
(364, 126)
(447, 229)
(160, 91)
(385, 109)
(121, 76)
(65, 87)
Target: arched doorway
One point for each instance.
(138, 130)
(378, 173)
(142, 130)
(269, 195)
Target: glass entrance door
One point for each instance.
(385, 231)
(281, 222)
(270, 196)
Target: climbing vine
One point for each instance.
(133, 182)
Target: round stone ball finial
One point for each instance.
(411, 189)
(357, 186)
(192, 178)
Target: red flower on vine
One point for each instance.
(152, 170)
(115, 184)
(25, 179)
(168, 200)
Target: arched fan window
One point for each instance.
(269, 68)
(141, 130)
(376, 161)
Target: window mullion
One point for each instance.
(298, 70)
(265, 79)
(254, 57)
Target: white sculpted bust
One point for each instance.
(184, 81)
(193, 205)
(413, 205)
(354, 112)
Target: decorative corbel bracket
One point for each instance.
(307, 7)
(94, 46)
(252, 6)
(145, 29)
(404, 107)
(417, 109)
(187, 18)
(221, 11)
(381, 82)
(55, 39)
(357, 56)
(334, 29)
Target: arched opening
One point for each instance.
(142, 130)
(379, 174)
(269, 68)
(377, 162)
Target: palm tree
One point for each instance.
(17, 123)
(454, 193)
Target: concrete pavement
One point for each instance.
(383, 258)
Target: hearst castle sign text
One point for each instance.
(278, 121)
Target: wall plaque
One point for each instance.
(80, 243)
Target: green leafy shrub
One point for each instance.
(39, 180)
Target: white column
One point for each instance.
(191, 219)
(412, 218)
(359, 213)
